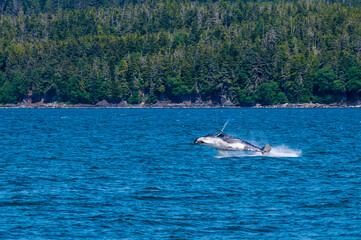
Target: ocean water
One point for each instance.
(135, 174)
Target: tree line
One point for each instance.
(243, 52)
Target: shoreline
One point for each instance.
(105, 104)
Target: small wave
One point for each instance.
(277, 151)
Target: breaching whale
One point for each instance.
(223, 142)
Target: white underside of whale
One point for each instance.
(219, 144)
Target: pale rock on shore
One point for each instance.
(186, 104)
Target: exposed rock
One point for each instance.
(199, 101)
(80, 105)
(103, 103)
(228, 105)
(122, 104)
(185, 104)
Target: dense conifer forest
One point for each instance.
(243, 52)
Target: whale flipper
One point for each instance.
(220, 133)
(266, 149)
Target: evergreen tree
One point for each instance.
(244, 52)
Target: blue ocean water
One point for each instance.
(135, 174)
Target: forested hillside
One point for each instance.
(242, 52)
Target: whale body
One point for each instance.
(229, 143)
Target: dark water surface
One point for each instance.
(134, 174)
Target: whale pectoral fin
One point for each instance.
(219, 134)
(266, 149)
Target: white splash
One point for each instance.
(281, 151)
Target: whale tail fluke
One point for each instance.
(266, 149)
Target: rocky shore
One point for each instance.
(312, 105)
(168, 104)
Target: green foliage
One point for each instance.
(269, 93)
(135, 98)
(152, 98)
(246, 52)
(353, 83)
(327, 87)
(9, 93)
(244, 99)
(12, 90)
(177, 89)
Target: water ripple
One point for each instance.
(134, 174)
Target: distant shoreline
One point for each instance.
(105, 104)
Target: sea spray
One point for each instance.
(281, 151)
